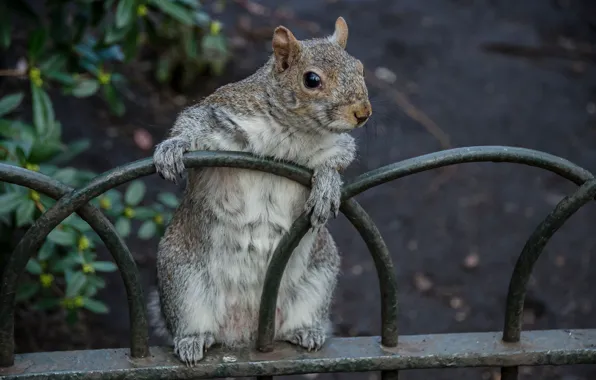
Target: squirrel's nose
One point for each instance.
(363, 112)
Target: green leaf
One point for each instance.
(62, 237)
(114, 101)
(10, 102)
(44, 150)
(164, 67)
(10, 201)
(123, 227)
(77, 223)
(168, 199)
(66, 175)
(131, 42)
(26, 291)
(74, 284)
(37, 40)
(147, 230)
(46, 251)
(25, 213)
(125, 12)
(5, 29)
(33, 266)
(43, 112)
(72, 150)
(134, 193)
(144, 213)
(85, 88)
(104, 266)
(95, 306)
(47, 303)
(54, 63)
(175, 11)
(61, 77)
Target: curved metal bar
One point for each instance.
(35, 236)
(448, 157)
(532, 251)
(106, 231)
(380, 254)
(384, 266)
(275, 271)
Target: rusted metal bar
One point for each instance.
(531, 252)
(106, 231)
(419, 164)
(35, 236)
(554, 347)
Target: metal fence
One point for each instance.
(388, 353)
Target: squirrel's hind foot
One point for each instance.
(190, 349)
(310, 338)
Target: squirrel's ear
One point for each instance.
(340, 36)
(285, 47)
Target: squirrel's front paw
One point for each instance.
(325, 196)
(168, 158)
(190, 348)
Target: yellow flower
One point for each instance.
(35, 76)
(34, 196)
(83, 243)
(105, 203)
(129, 213)
(46, 280)
(142, 10)
(78, 301)
(32, 167)
(158, 219)
(103, 77)
(87, 268)
(215, 27)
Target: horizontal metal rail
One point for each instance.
(338, 355)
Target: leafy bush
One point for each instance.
(77, 46)
(65, 272)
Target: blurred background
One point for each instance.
(88, 85)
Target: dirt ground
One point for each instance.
(454, 235)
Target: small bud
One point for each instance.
(83, 243)
(32, 167)
(78, 301)
(142, 10)
(105, 203)
(34, 196)
(215, 27)
(129, 213)
(103, 77)
(46, 280)
(87, 269)
(158, 219)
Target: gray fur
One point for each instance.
(213, 257)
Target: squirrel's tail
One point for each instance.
(157, 321)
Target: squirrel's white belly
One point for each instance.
(255, 209)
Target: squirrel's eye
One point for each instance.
(312, 80)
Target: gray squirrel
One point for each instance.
(212, 259)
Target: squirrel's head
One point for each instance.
(319, 81)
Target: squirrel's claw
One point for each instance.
(324, 199)
(190, 349)
(168, 159)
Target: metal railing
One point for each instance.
(508, 350)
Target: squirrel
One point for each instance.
(211, 262)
